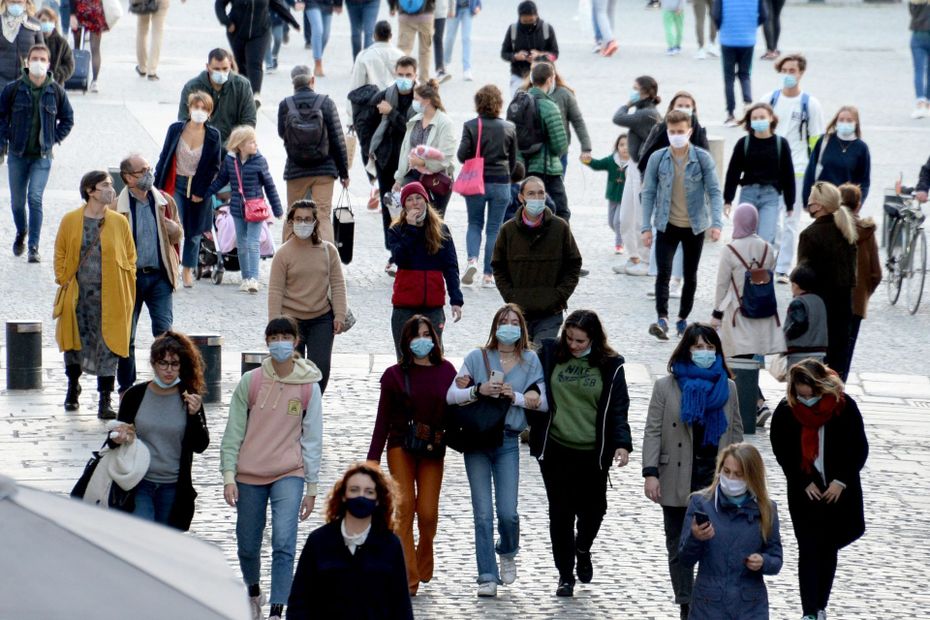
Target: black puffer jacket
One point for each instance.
(13, 55)
(334, 164)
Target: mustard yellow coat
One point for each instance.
(118, 280)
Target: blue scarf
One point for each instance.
(704, 393)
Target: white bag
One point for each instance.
(778, 367)
(112, 11)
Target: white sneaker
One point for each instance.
(712, 50)
(93, 87)
(508, 569)
(469, 276)
(674, 291)
(919, 112)
(244, 285)
(701, 54)
(468, 76)
(489, 282)
(639, 269)
(442, 77)
(487, 589)
(255, 606)
(254, 285)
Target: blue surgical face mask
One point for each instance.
(760, 124)
(421, 347)
(404, 85)
(164, 385)
(508, 334)
(219, 77)
(846, 130)
(416, 106)
(788, 80)
(703, 358)
(534, 207)
(635, 96)
(809, 402)
(282, 350)
(15, 10)
(47, 27)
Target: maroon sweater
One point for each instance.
(427, 403)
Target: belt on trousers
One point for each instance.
(148, 270)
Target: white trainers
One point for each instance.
(254, 285)
(674, 291)
(93, 87)
(701, 54)
(468, 76)
(244, 285)
(920, 110)
(488, 589)
(255, 606)
(712, 50)
(469, 276)
(488, 282)
(638, 269)
(508, 569)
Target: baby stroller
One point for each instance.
(218, 253)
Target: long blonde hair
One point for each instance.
(814, 374)
(828, 196)
(750, 461)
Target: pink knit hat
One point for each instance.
(745, 220)
(414, 187)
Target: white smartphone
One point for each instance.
(497, 376)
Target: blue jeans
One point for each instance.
(285, 495)
(153, 290)
(154, 501)
(496, 196)
(28, 177)
(462, 17)
(277, 37)
(190, 249)
(767, 201)
(737, 62)
(319, 31)
(248, 242)
(502, 465)
(602, 14)
(920, 51)
(362, 18)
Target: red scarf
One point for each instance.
(811, 419)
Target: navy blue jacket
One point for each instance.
(256, 179)
(55, 115)
(724, 587)
(195, 221)
(419, 279)
(852, 165)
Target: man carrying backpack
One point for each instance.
(527, 40)
(541, 137)
(316, 149)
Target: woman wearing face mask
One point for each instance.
(693, 415)
(828, 246)
(840, 155)
(62, 58)
(585, 431)
(761, 164)
(190, 159)
(737, 541)
(87, 16)
(167, 414)
(270, 452)
(306, 282)
(413, 400)
(95, 270)
(504, 368)
(819, 440)
(429, 130)
(422, 248)
(20, 32)
(353, 567)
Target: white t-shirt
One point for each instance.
(788, 111)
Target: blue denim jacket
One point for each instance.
(701, 186)
(55, 115)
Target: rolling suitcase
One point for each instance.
(80, 79)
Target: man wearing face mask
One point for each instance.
(156, 231)
(529, 39)
(679, 182)
(35, 115)
(233, 102)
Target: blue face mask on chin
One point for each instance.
(282, 350)
(703, 358)
(164, 385)
(809, 402)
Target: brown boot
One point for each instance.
(318, 68)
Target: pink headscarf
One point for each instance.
(745, 220)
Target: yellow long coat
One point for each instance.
(118, 280)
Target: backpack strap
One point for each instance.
(738, 256)
(746, 146)
(318, 102)
(546, 30)
(774, 98)
(513, 34)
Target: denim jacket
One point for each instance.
(701, 186)
(56, 117)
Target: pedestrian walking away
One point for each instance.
(731, 532)
(737, 22)
(415, 26)
(95, 270)
(602, 16)
(525, 41)
(353, 567)
(35, 115)
(411, 419)
(61, 57)
(278, 29)
(233, 103)
(615, 164)
(819, 440)
(150, 19)
(442, 12)
(273, 407)
(88, 18)
(772, 28)
(693, 416)
(320, 14)
(706, 47)
(577, 440)
(920, 53)
(362, 17)
(167, 415)
(504, 368)
(462, 12)
(806, 320)
(840, 156)
(564, 97)
(673, 21)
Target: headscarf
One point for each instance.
(704, 393)
(745, 220)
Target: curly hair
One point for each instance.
(384, 487)
(489, 101)
(191, 371)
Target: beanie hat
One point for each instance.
(409, 189)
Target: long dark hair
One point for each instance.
(588, 322)
(191, 370)
(682, 353)
(410, 331)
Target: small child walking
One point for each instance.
(615, 164)
(673, 18)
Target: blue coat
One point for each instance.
(199, 220)
(256, 181)
(738, 20)
(701, 186)
(724, 588)
(55, 116)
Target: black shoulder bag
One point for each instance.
(421, 439)
(478, 425)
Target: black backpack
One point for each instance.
(305, 137)
(523, 112)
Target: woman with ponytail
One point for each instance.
(819, 440)
(828, 246)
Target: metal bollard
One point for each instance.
(746, 376)
(211, 350)
(24, 355)
(252, 360)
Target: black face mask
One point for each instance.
(361, 507)
(529, 27)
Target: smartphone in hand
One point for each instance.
(701, 517)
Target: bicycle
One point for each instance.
(906, 262)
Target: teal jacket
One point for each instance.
(546, 160)
(616, 176)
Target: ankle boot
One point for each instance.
(73, 372)
(105, 388)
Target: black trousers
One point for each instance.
(555, 187)
(439, 30)
(577, 491)
(667, 242)
(385, 184)
(854, 325)
(682, 575)
(838, 303)
(316, 343)
(250, 57)
(817, 557)
(772, 26)
(737, 62)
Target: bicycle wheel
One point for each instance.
(916, 270)
(894, 261)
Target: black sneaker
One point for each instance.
(34, 255)
(685, 610)
(583, 273)
(19, 244)
(659, 329)
(566, 588)
(583, 567)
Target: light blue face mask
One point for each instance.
(535, 207)
(416, 106)
(421, 347)
(508, 334)
(282, 350)
(788, 80)
(219, 77)
(47, 27)
(635, 96)
(15, 10)
(809, 402)
(404, 85)
(164, 385)
(846, 131)
(760, 124)
(703, 358)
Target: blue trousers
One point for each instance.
(28, 178)
(154, 291)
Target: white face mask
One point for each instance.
(686, 110)
(732, 487)
(303, 231)
(679, 140)
(199, 116)
(37, 68)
